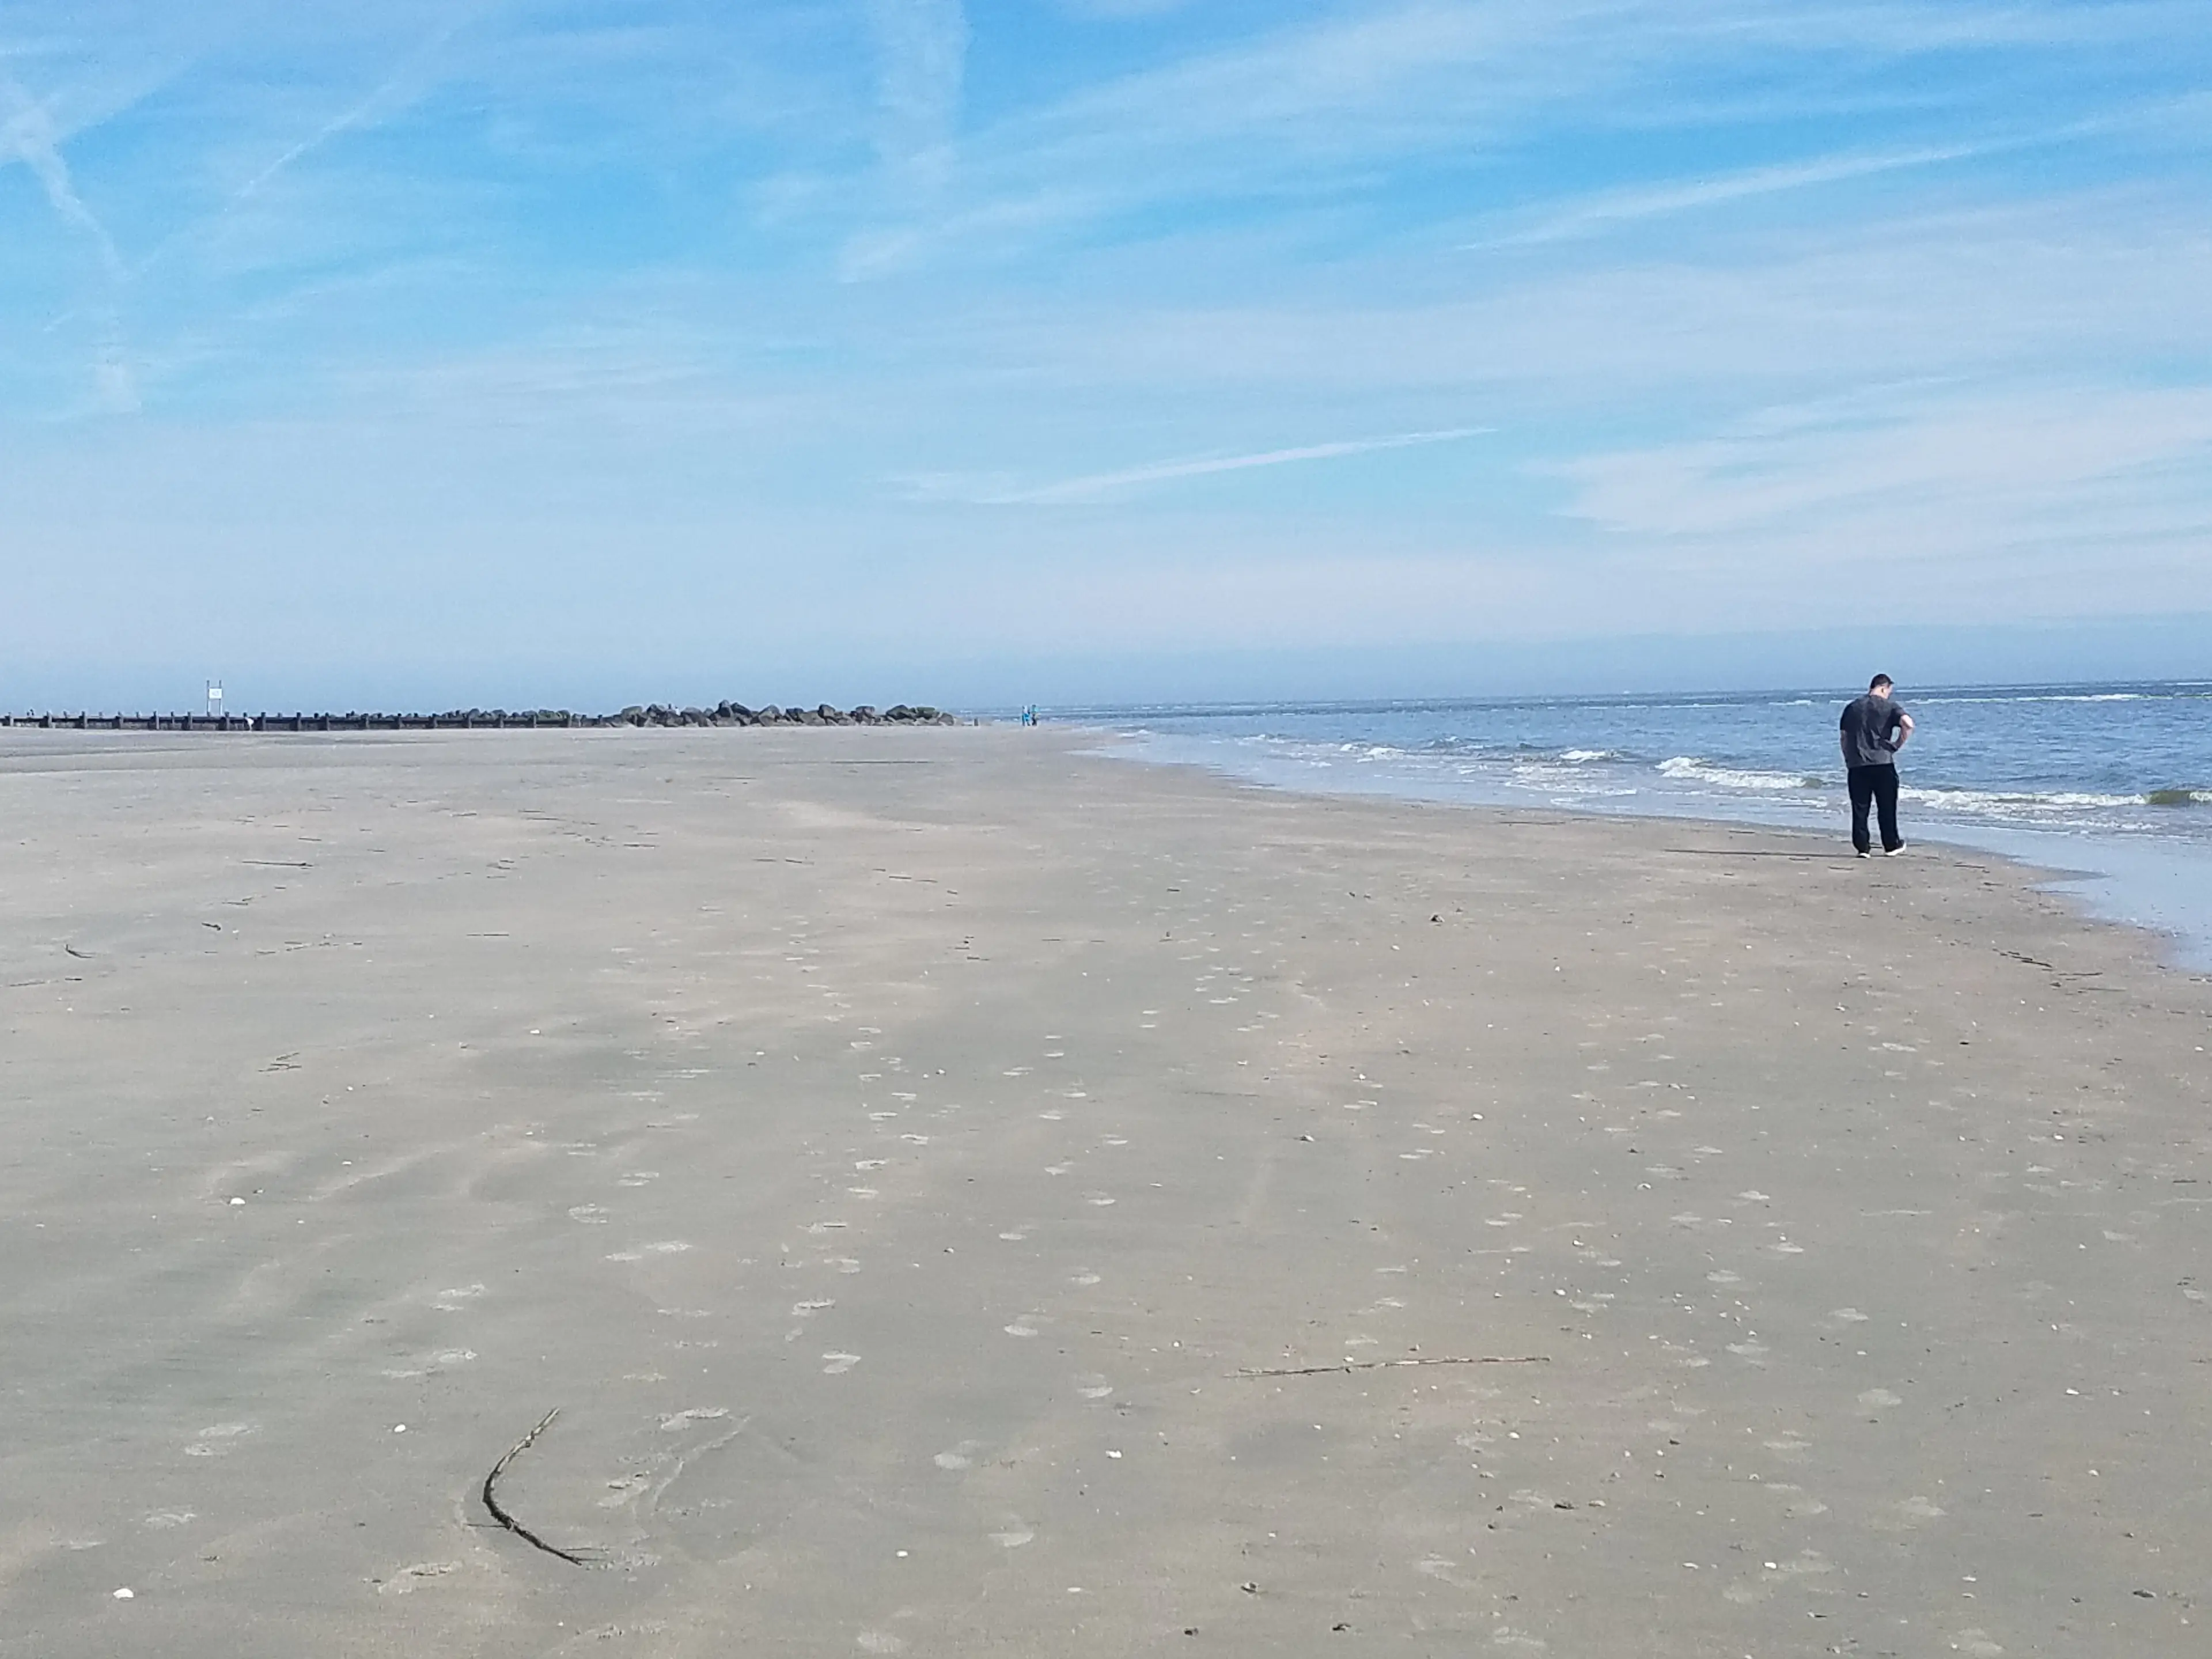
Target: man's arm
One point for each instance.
(1904, 730)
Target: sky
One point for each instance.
(514, 353)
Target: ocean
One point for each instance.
(2110, 784)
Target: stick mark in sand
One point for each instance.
(492, 1503)
(1386, 1365)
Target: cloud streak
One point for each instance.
(921, 49)
(29, 134)
(1101, 486)
(1602, 213)
(389, 94)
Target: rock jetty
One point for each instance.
(467, 720)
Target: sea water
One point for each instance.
(2110, 784)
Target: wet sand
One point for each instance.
(892, 1152)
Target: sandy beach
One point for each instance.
(963, 1195)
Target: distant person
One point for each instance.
(1873, 728)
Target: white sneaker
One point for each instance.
(1866, 855)
(1891, 851)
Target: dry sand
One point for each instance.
(887, 1151)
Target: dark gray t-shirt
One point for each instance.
(1870, 729)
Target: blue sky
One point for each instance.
(526, 353)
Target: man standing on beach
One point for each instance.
(1873, 728)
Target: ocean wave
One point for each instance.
(2057, 696)
(1562, 780)
(2011, 803)
(1693, 770)
(1583, 756)
(2179, 797)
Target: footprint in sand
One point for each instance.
(429, 1364)
(219, 1439)
(836, 1364)
(685, 1418)
(1909, 1515)
(666, 1247)
(413, 1578)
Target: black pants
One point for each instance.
(1874, 785)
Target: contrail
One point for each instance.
(1629, 206)
(1096, 485)
(29, 135)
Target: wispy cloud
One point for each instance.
(394, 91)
(30, 136)
(1600, 212)
(387, 94)
(1100, 486)
(2009, 463)
(921, 53)
(921, 62)
(1789, 285)
(1593, 215)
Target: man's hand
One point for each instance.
(1903, 732)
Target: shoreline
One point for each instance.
(959, 1193)
(2161, 887)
